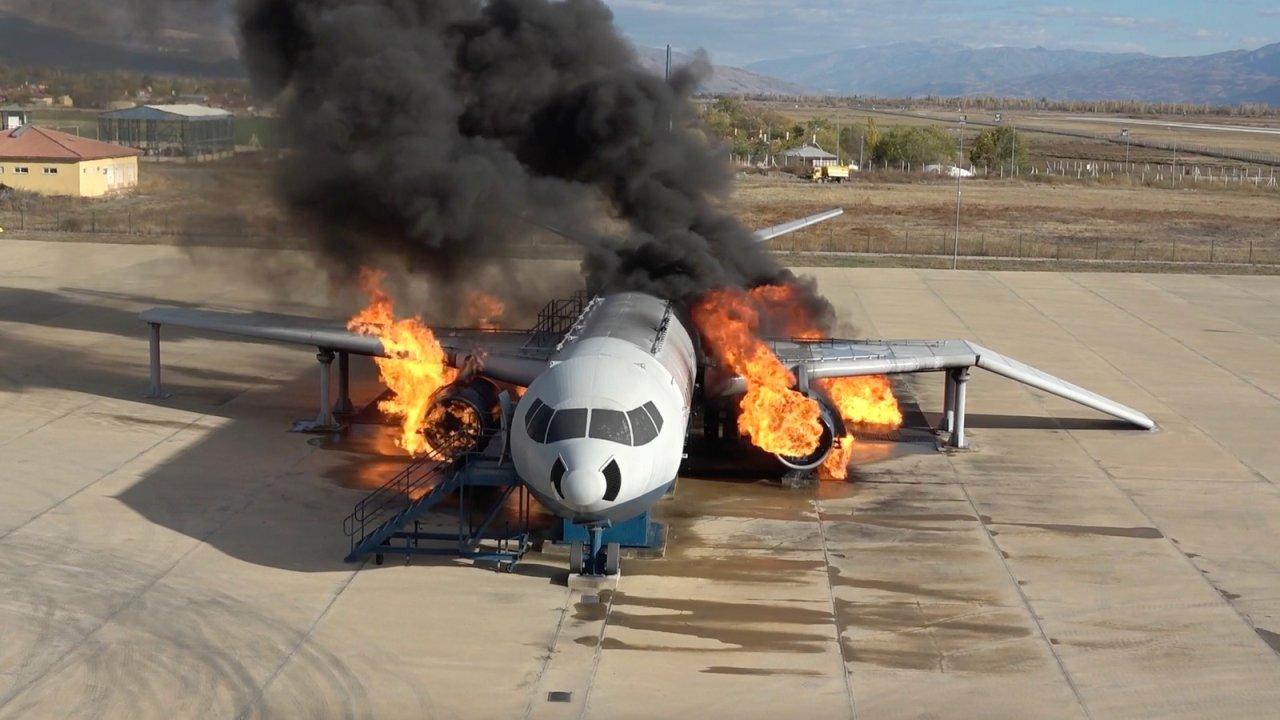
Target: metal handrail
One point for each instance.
(373, 508)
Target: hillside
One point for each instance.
(911, 69)
(1239, 76)
(915, 69)
(724, 78)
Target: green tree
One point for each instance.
(914, 146)
(999, 147)
(872, 134)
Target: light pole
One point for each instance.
(955, 248)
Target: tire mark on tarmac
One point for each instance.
(200, 542)
(306, 637)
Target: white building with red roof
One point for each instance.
(50, 162)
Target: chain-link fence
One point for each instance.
(269, 230)
(1034, 245)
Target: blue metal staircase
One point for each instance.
(378, 523)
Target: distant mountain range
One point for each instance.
(914, 69)
(896, 70)
(725, 79)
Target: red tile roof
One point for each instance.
(36, 144)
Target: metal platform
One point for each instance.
(389, 519)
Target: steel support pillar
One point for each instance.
(961, 384)
(343, 405)
(948, 402)
(157, 389)
(325, 418)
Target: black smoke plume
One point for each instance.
(433, 130)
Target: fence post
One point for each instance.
(93, 219)
(1057, 248)
(1096, 243)
(1175, 249)
(1019, 244)
(1250, 252)
(1212, 245)
(1135, 250)
(22, 216)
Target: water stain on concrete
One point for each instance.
(902, 521)
(895, 586)
(735, 625)
(730, 568)
(908, 636)
(1144, 533)
(730, 670)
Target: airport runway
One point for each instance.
(1262, 130)
(182, 558)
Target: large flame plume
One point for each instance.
(774, 415)
(414, 368)
(866, 400)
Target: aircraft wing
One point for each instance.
(774, 231)
(505, 355)
(762, 235)
(843, 358)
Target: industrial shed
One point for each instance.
(50, 162)
(807, 157)
(175, 132)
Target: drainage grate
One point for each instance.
(560, 696)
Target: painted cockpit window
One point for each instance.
(610, 425)
(646, 423)
(536, 420)
(636, 427)
(567, 425)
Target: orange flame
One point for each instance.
(482, 310)
(414, 368)
(775, 416)
(864, 400)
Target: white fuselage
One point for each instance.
(600, 434)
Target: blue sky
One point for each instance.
(741, 31)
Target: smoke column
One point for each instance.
(428, 130)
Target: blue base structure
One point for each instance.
(638, 532)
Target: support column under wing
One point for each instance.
(844, 358)
(1014, 370)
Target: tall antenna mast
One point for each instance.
(671, 121)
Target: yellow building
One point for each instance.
(56, 163)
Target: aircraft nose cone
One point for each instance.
(583, 487)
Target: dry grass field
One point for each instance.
(1048, 146)
(1064, 220)
(232, 202)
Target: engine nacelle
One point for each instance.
(832, 428)
(460, 415)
